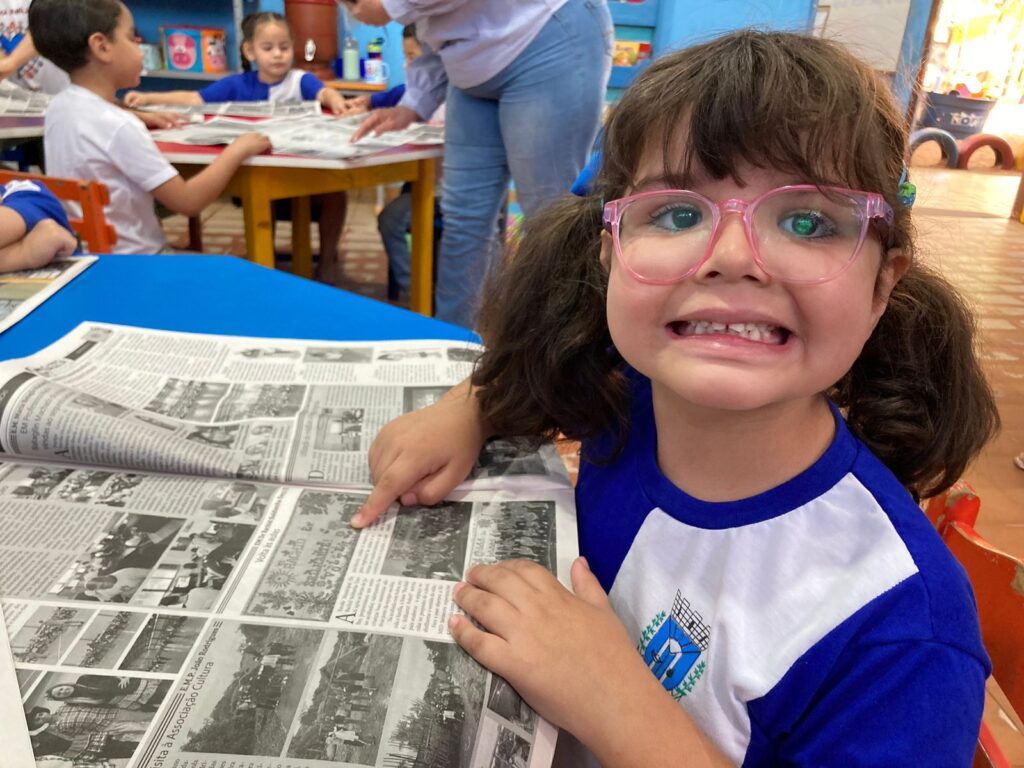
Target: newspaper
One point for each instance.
(21, 292)
(18, 101)
(241, 108)
(180, 582)
(312, 136)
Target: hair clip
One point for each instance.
(907, 190)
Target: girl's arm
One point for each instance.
(23, 52)
(134, 99)
(570, 658)
(420, 457)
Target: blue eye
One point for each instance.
(677, 218)
(807, 225)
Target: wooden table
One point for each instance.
(265, 178)
(355, 87)
(15, 127)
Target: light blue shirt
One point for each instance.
(465, 42)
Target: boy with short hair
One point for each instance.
(33, 227)
(87, 136)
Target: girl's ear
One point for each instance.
(249, 51)
(896, 264)
(606, 250)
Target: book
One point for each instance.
(180, 582)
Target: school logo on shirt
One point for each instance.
(672, 646)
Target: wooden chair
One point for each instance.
(998, 581)
(91, 196)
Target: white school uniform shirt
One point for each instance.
(36, 74)
(87, 137)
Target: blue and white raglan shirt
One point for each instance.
(297, 85)
(33, 202)
(821, 623)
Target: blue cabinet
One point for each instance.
(634, 22)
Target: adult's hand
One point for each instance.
(369, 11)
(383, 120)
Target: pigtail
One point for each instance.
(549, 365)
(917, 395)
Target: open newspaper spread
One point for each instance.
(180, 582)
(24, 290)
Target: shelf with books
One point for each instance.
(635, 27)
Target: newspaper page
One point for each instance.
(161, 621)
(278, 410)
(322, 136)
(21, 102)
(23, 291)
(241, 108)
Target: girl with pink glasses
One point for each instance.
(765, 378)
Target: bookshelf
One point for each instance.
(634, 22)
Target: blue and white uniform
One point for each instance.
(822, 622)
(33, 202)
(297, 85)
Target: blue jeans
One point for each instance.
(393, 223)
(534, 121)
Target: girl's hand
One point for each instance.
(356, 106)
(332, 101)
(420, 457)
(134, 99)
(383, 120)
(550, 644)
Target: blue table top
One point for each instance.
(215, 294)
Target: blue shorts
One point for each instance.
(33, 202)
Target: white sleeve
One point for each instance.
(135, 154)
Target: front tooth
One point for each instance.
(718, 327)
(754, 334)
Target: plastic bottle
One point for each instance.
(375, 48)
(350, 59)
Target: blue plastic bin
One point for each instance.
(960, 116)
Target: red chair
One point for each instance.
(998, 581)
(90, 196)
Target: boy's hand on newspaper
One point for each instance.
(356, 106)
(551, 644)
(420, 457)
(251, 144)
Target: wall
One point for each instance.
(684, 22)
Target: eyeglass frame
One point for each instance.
(872, 205)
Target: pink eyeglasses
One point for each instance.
(800, 234)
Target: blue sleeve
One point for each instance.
(901, 703)
(34, 203)
(387, 98)
(225, 89)
(426, 84)
(310, 85)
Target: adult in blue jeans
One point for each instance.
(525, 84)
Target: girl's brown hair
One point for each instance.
(800, 105)
(251, 23)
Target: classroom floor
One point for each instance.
(964, 230)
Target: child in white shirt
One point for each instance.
(87, 136)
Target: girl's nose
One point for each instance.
(731, 255)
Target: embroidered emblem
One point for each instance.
(672, 646)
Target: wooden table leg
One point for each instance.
(302, 251)
(422, 257)
(1018, 204)
(259, 218)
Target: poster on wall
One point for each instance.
(873, 29)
